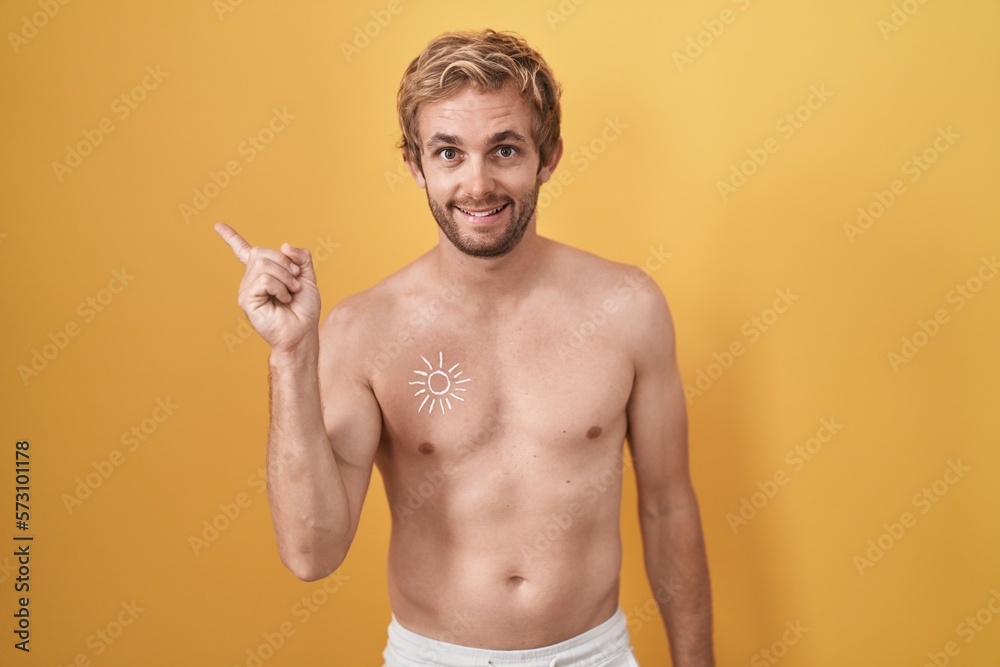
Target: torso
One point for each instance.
(501, 455)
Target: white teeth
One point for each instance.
(484, 214)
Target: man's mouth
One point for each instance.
(483, 214)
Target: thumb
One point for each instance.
(303, 258)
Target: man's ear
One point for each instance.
(546, 170)
(417, 173)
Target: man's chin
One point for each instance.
(476, 247)
(484, 242)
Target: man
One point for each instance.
(498, 430)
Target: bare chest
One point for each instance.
(452, 389)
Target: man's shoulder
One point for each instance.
(361, 314)
(632, 301)
(625, 299)
(589, 272)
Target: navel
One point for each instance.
(515, 580)
(425, 448)
(594, 432)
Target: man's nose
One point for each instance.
(479, 179)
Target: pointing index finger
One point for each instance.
(239, 244)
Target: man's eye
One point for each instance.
(448, 153)
(507, 151)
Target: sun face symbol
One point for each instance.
(438, 386)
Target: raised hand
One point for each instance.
(278, 292)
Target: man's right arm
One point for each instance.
(321, 441)
(321, 448)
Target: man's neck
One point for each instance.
(493, 285)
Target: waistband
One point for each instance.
(600, 646)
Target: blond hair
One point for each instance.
(487, 60)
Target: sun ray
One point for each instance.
(427, 362)
(458, 397)
(453, 368)
(440, 359)
(422, 404)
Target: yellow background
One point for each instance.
(329, 181)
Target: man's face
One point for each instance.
(481, 168)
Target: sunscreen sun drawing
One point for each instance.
(438, 386)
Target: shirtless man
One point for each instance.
(497, 430)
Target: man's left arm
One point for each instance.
(673, 544)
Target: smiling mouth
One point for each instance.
(483, 214)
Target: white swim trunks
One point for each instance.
(606, 645)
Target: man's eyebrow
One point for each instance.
(440, 138)
(509, 136)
